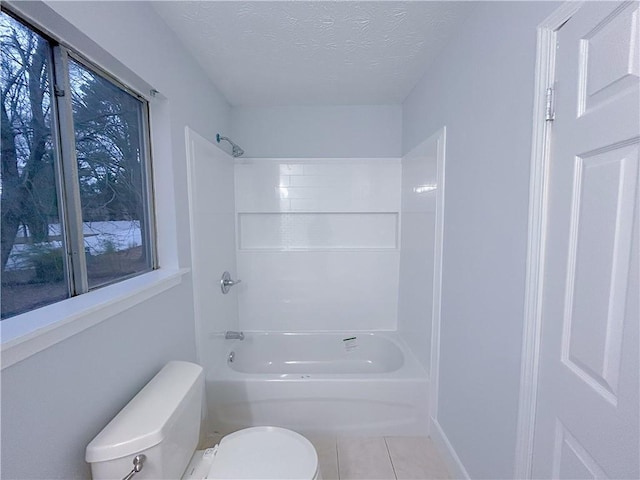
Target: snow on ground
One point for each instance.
(99, 237)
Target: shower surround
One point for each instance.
(317, 244)
(318, 251)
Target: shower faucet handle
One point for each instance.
(226, 283)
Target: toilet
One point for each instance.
(158, 430)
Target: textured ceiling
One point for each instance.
(314, 52)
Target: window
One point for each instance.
(75, 174)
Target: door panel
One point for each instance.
(608, 58)
(600, 240)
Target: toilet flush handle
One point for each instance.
(138, 463)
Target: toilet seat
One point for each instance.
(264, 453)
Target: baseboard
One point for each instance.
(456, 468)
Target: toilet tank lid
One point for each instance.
(144, 421)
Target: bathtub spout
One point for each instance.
(231, 335)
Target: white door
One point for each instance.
(587, 410)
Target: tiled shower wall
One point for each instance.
(318, 243)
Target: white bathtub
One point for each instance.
(338, 383)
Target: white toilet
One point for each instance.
(159, 429)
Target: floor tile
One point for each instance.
(416, 458)
(364, 458)
(326, 447)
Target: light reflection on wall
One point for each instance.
(429, 187)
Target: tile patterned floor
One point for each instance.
(379, 458)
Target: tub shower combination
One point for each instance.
(314, 383)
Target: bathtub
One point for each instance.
(318, 383)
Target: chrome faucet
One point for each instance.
(231, 335)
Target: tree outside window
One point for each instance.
(108, 183)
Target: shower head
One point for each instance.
(236, 150)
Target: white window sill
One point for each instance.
(31, 332)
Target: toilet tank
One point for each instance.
(162, 422)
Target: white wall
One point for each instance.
(55, 402)
(481, 88)
(318, 243)
(366, 131)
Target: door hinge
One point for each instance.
(549, 115)
(59, 92)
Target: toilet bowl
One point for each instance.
(158, 431)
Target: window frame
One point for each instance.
(66, 166)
